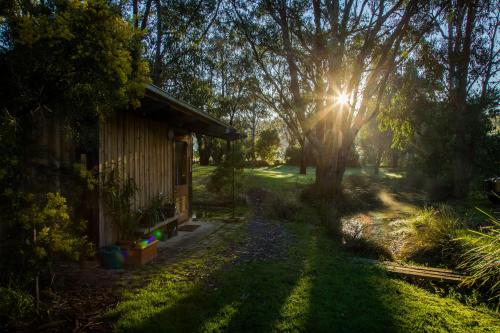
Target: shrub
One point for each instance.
(282, 208)
(431, 234)
(53, 232)
(256, 164)
(267, 145)
(438, 189)
(118, 193)
(293, 155)
(357, 238)
(367, 247)
(221, 179)
(16, 304)
(358, 180)
(153, 213)
(415, 179)
(309, 195)
(481, 257)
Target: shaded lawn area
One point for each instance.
(315, 289)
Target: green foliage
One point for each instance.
(375, 142)
(221, 179)
(40, 232)
(267, 145)
(65, 63)
(53, 231)
(481, 255)
(430, 234)
(156, 211)
(71, 57)
(293, 155)
(118, 191)
(86, 177)
(281, 208)
(15, 304)
(10, 160)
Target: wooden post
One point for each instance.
(232, 164)
(102, 170)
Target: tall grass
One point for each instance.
(481, 259)
(431, 234)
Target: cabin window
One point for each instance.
(181, 162)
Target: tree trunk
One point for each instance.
(228, 148)
(462, 162)
(329, 176)
(252, 138)
(459, 55)
(135, 13)
(303, 160)
(156, 75)
(378, 160)
(394, 158)
(204, 150)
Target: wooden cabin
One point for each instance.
(152, 145)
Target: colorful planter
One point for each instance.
(142, 253)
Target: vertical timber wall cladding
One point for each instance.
(138, 148)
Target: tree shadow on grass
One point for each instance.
(314, 289)
(346, 297)
(240, 298)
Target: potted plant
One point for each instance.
(169, 208)
(152, 214)
(118, 193)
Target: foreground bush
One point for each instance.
(430, 235)
(282, 208)
(16, 304)
(481, 259)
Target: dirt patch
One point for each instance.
(80, 299)
(81, 296)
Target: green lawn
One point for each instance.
(316, 289)
(281, 179)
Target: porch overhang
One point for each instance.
(158, 104)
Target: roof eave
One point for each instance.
(229, 132)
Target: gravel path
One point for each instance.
(265, 239)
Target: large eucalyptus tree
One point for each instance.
(327, 63)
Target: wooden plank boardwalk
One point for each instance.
(422, 272)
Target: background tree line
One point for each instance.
(420, 81)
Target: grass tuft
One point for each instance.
(430, 235)
(481, 258)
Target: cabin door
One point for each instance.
(182, 177)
